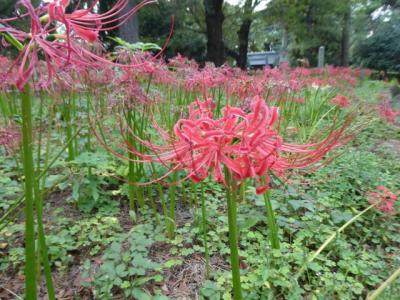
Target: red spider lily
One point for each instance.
(245, 143)
(341, 101)
(154, 69)
(206, 79)
(385, 199)
(66, 50)
(387, 113)
(87, 24)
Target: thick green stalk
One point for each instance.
(68, 129)
(48, 144)
(36, 186)
(140, 193)
(163, 204)
(242, 190)
(204, 225)
(131, 164)
(89, 133)
(29, 174)
(233, 235)
(172, 200)
(4, 108)
(271, 221)
(42, 242)
(193, 195)
(41, 247)
(161, 195)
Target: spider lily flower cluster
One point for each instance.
(384, 198)
(247, 144)
(63, 39)
(387, 113)
(341, 101)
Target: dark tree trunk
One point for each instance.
(345, 40)
(283, 55)
(243, 35)
(215, 41)
(129, 30)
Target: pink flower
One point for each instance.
(87, 24)
(247, 144)
(385, 199)
(61, 51)
(341, 101)
(387, 113)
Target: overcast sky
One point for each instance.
(262, 5)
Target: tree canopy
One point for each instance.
(362, 32)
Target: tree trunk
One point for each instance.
(214, 21)
(345, 40)
(129, 31)
(283, 57)
(243, 35)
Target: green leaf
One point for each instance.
(172, 262)
(160, 297)
(340, 217)
(120, 270)
(140, 295)
(298, 204)
(96, 160)
(249, 222)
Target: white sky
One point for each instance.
(262, 5)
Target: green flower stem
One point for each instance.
(29, 174)
(333, 236)
(42, 242)
(140, 167)
(4, 108)
(161, 195)
(271, 221)
(47, 147)
(89, 133)
(384, 285)
(68, 109)
(243, 191)
(233, 234)
(163, 203)
(36, 185)
(193, 195)
(12, 40)
(131, 164)
(204, 225)
(172, 200)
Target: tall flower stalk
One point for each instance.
(29, 174)
(271, 221)
(231, 199)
